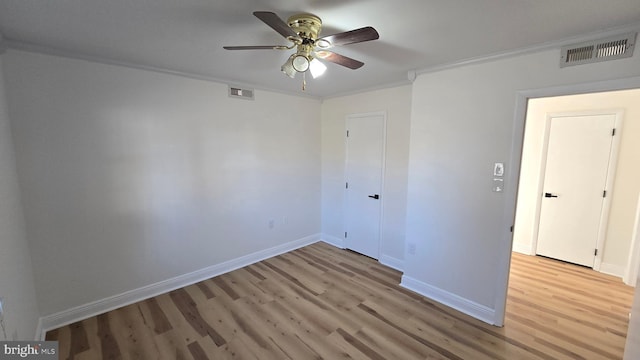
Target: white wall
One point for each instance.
(133, 177)
(396, 102)
(462, 122)
(16, 277)
(627, 179)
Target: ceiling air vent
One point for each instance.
(239, 93)
(616, 47)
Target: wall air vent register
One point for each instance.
(611, 48)
(239, 93)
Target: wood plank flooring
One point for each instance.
(320, 302)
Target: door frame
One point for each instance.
(383, 114)
(514, 163)
(633, 263)
(610, 180)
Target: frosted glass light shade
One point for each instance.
(317, 68)
(300, 63)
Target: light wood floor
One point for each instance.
(320, 302)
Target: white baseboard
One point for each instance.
(39, 333)
(384, 259)
(392, 262)
(612, 269)
(459, 303)
(522, 248)
(332, 240)
(94, 308)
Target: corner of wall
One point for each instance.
(454, 301)
(333, 240)
(16, 273)
(85, 311)
(392, 262)
(612, 269)
(523, 248)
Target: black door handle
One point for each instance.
(549, 195)
(376, 196)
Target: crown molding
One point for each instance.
(369, 89)
(531, 49)
(46, 50)
(411, 74)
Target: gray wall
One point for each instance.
(462, 122)
(16, 277)
(133, 177)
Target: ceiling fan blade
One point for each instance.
(275, 23)
(350, 37)
(339, 59)
(257, 47)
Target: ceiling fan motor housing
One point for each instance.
(307, 26)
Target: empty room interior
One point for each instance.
(321, 179)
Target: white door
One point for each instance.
(575, 178)
(364, 168)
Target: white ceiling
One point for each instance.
(186, 36)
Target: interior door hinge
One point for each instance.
(346, 185)
(604, 193)
(347, 133)
(595, 253)
(511, 229)
(345, 234)
(613, 132)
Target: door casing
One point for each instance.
(515, 159)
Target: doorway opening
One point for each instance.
(619, 186)
(618, 234)
(569, 164)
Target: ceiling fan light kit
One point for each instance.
(302, 30)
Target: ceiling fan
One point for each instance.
(302, 30)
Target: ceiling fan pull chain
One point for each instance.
(304, 81)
